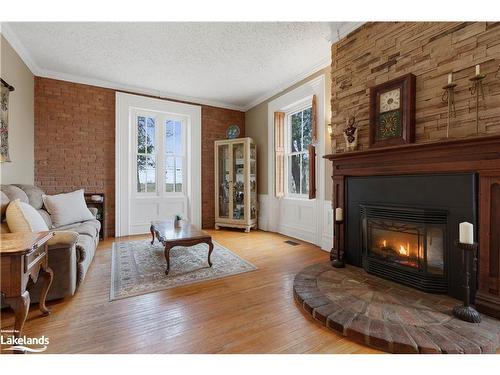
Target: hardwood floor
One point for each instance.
(252, 312)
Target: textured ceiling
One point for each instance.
(235, 65)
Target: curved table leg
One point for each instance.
(47, 276)
(167, 258)
(151, 229)
(210, 249)
(21, 306)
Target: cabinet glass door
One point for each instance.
(238, 179)
(223, 180)
(253, 181)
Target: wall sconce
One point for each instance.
(477, 91)
(330, 129)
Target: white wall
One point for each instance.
(14, 71)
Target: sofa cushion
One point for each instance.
(33, 193)
(67, 208)
(4, 202)
(90, 227)
(22, 217)
(46, 217)
(13, 192)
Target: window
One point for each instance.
(146, 158)
(299, 136)
(174, 156)
(160, 153)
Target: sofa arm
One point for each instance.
(63, 238)
(93, 211)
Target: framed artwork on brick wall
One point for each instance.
(392, 112)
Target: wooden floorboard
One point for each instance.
(252, 312)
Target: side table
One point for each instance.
(24, 256)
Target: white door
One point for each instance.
(158, 162)
(158, 183)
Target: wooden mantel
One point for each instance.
(479, 155)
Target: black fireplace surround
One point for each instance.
(403, 228)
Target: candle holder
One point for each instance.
(337, 259)
(449, 97)
(466, 311)
(477, 91)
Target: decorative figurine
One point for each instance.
(351, 134)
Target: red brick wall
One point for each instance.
(75, 142)
(214, 122)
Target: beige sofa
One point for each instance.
(71, 250)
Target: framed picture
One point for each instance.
(392, 112)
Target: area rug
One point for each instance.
(139, 267)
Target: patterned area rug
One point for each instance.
(139, 267)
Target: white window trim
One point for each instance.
(123, 147)
(296, 108)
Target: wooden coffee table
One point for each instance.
(184, 234)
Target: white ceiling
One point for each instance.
(233, 65)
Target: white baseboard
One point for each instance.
(299, 232)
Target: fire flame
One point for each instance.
(402, 250)
(384, 243)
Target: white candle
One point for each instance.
(339, 214)
(450, 78)
(478, 70)
(466, 233)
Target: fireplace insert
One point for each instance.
(405, 244)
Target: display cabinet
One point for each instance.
(236, 183)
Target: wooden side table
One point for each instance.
(101, 211)
(24, 256)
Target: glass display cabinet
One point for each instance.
(236, 183)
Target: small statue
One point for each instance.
(351, 134)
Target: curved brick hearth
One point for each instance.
(389, 316)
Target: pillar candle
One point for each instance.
(339, 214)
(478, 70)
(466, 233)
(450, 78)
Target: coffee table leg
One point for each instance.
(152, 234)
(167, 257)
(210, 249)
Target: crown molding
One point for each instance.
(135, 89)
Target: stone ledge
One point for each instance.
(389, 316)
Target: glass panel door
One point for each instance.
(253, 181)
(146, 155)
(238, 179)
(223, 180)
